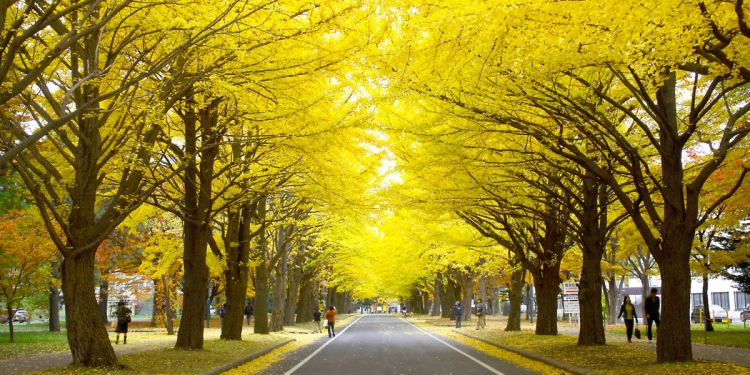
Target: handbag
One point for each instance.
(128, 320)
(637, 333)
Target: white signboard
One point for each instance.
(570, 298)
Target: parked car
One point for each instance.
(21, 316)
(718, 314)
(745, 314)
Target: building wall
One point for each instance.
(719, 289)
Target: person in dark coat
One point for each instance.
(457, 310)
(627, 311)
(123, 318)
(652, 311)
(248, 312)
(480, 312)
(316, 318)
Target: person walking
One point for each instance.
(652, 311)
(248, 312)
(480, 312)
(457, 310)
(331, 320)
(316, 318)
(123, 318)
(627, 311)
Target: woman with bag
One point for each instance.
(627, 311)
(123, 318)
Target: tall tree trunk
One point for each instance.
(707, 323)
(292, 296)
(236, 272)
(103, 300)
(157, 310)
(467, 285)
(87, 335)
(613, 298)
(547, 285)
(436, 295)
(198, 193)
(11, 332)
(515, 292)
(54, 309)
(448, 298)
(169, 312)
(483, 289)
(279, 292)
(307, 303)
(593, 241)
(261, 297)
(674, 329)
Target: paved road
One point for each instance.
(377, 344)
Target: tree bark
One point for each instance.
(198, 178)
(436, 293)
(467, 285)
(11, 333)
(707, 323)
(236, 274)
(103, 300)
(515, 292)
(292, 296)
(547, 289)
(613, 297)
(593, 244)
(87, 335)
(307, 301)
(261, 298)
(169, 311)
(54, 309)
(279, 293)
(674, 329)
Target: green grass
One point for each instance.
(172, 361)
(32, 343)
(23, 327)
(731, 335)
(614, 358)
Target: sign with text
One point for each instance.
(570, 298)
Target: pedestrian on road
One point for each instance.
(123, 318)
(652, 311)
(627, 311)
(248, 312)
(316, 318)
(457, 310)
(480, 310)
(331, 319)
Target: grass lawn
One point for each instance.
(733, 335)
(23, 327)
(614, 358)
(32, 343)
(171, 361)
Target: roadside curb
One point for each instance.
(534, 356)
(242, 361)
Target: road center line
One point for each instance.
(309, 357)
(467, 355)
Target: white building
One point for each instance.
(721, 292)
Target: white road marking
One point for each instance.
(296, 367)
(467, 355)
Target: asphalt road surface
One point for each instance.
(381, 344)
